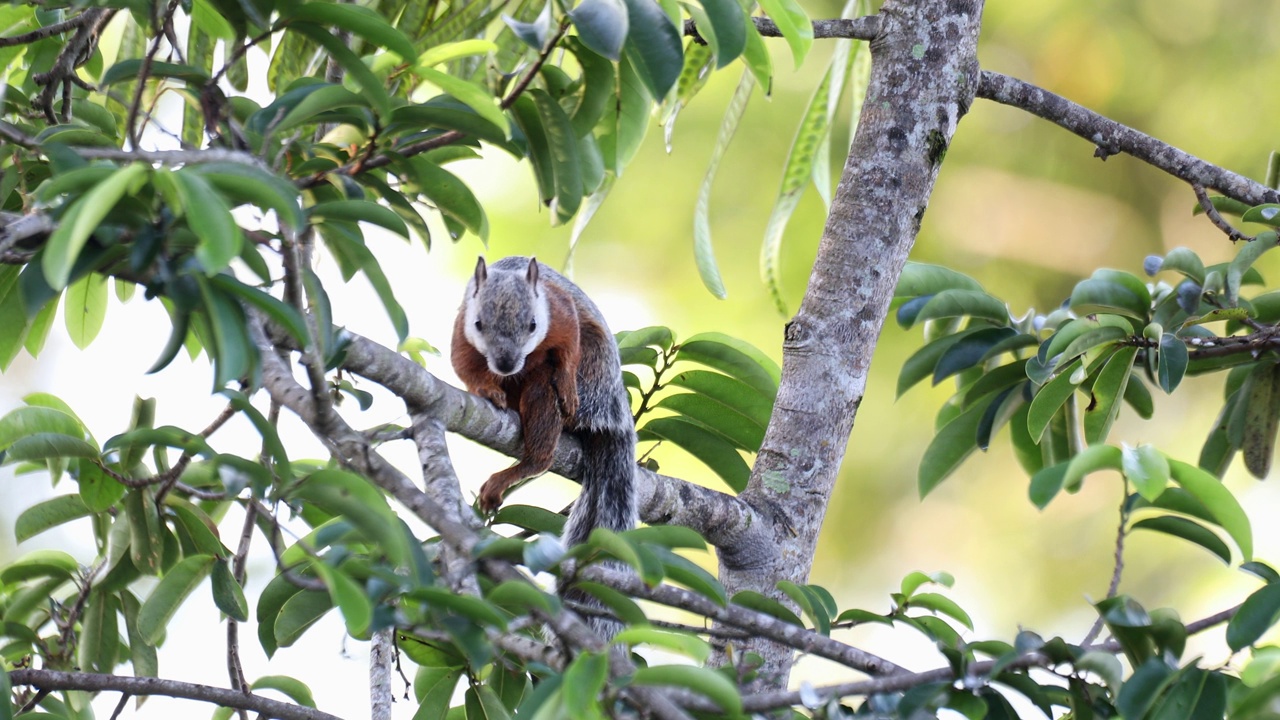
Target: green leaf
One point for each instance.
(1110, 386)
(433, 687)
(1211, 492)
(292, 687)
(359, 211)
(141, 655)
(1171, 363)
(756, 56)
(704, 256)
(1248, 254)
(451, 196)
(227, 593)
(303, 105)
(283, 314)
(1256, 615)
(564, 155)
(729, 392)
(531, 517)
(1106, 295)
(350, 598)
(653, 46)
(82, 218)
(40, 563)
(602, 26)
(1185, 261)
(130, 68)
(529, 122)
(371, 86)
(1266, 214)
(942, 604)
(356, 19)
(354, 498)
(1147, 468)
(587, 675)
(950, 446)
(158, 609)
(667, 536)
(717, 453)
(47, 514)
(964, 303)
(146, 532)
(234, 354)
(624, 607)
(724, 421)
(1050, 399)
(723, 28)
(915, 579)
(734, 358)
(300, 612)
(969, 351)
(472, 95)
(919, 279)
(704, 681)
(85, 308)
(767, 605)
(1047, 482)
(814, 126)
(794, 24)
(210, 219)
(688, 645)
(1188, 530)
(48, 446)
(1261, 417)
(634, 107)
(99, 633)
(1143, 688)
(684, 571)
(1093, 459)
(247, 184)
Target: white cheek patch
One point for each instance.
(469, 317)
(542, 317)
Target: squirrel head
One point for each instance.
(505, 315)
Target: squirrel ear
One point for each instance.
(482, 271)
(532, 275)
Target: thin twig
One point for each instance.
(95, 682)
(47, 31)
(1118, 568)
(144, 71)
(124, 700)
(1111, 137)
(1216, 218)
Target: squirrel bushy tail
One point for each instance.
(608, 496)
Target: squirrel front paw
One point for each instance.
(494, 395)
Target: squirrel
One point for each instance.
(527, 338)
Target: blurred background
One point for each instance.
(1021, 205)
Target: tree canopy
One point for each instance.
(241, 162)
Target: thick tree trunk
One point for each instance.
(924, 76)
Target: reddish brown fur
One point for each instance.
(544, 392)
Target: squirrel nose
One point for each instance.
(504, 365)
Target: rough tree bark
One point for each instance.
(924, 76)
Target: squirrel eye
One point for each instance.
(533, 325)
(479, 326)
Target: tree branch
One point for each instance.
(725, 521)
(94, 682)
(1112, 137)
